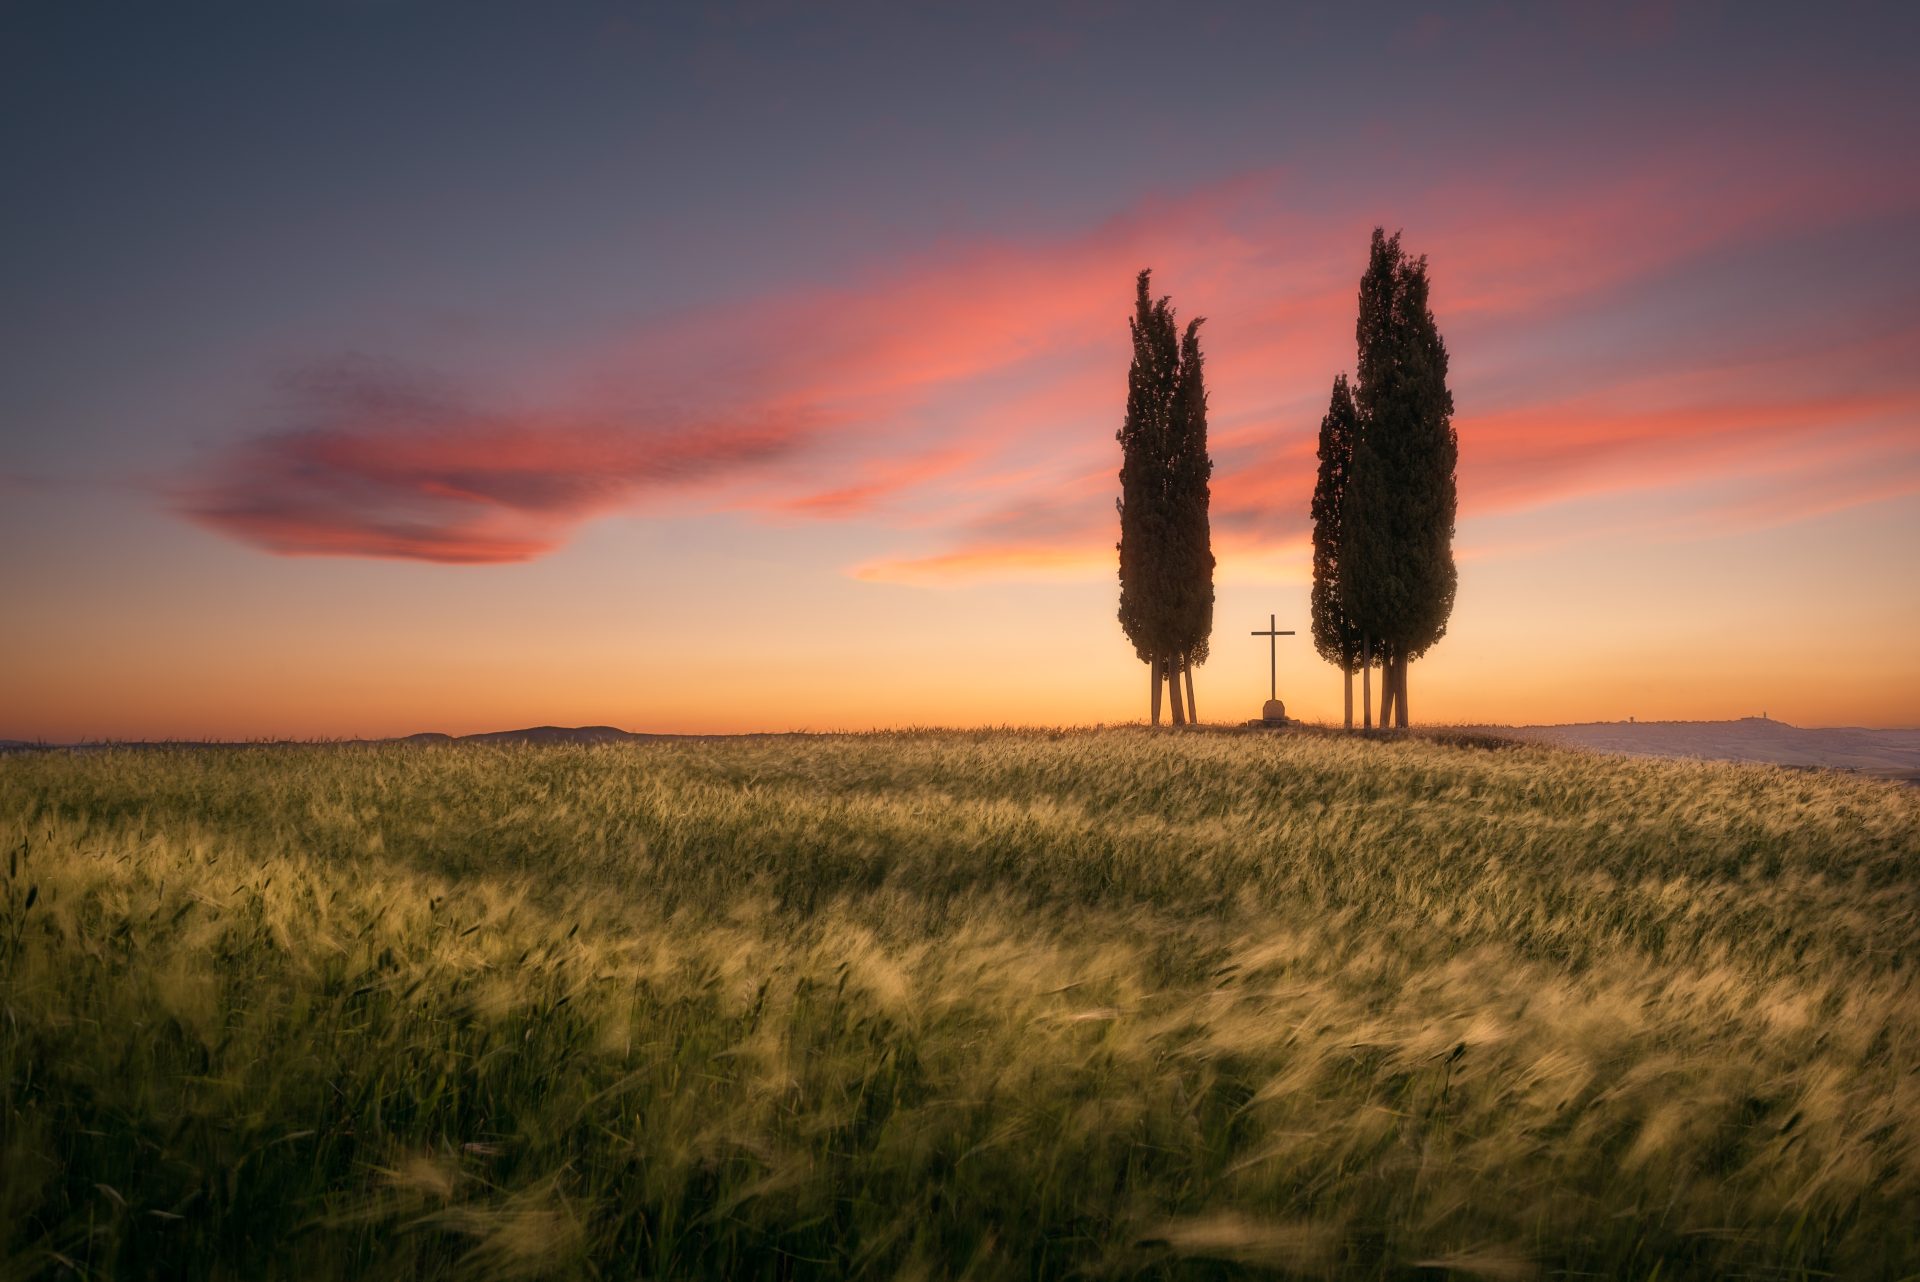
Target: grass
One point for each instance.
(998, 1004)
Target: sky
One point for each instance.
(381, 366)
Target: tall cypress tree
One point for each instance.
(1145, 520)
(1432, 494)
(1189, 497)
(1334, 636)
(1397, 576)
(1368, 591)
(1166, 552)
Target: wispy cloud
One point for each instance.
(387, 468)
(966, 399)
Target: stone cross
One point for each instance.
(1273, 635)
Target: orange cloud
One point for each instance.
(880, 479)
(1537, 454)
(1034, 563)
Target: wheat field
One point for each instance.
(998, 1004)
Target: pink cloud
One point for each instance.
(945, 393)
(879, 480)
(387, 471)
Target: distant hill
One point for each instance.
(563, 734)
(431, 738)
(1893, 753)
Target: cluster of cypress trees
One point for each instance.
(1166, 552)
(1384, 502)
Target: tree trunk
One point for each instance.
(1386, 688)
(1349, 675)
(1173, 690)
(1381, 707)
(1366, 684)
(1153, 672)
(1400, 703)
(1193, 708)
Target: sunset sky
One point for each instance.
(377, 366)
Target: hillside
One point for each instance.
(1889, 753)
(1008, 1004)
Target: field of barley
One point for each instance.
(956, 1004)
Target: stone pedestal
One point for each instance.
(1273, 713)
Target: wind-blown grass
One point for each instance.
(997, 1004)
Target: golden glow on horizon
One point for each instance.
(1600, 630)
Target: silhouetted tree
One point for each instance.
(1143, 490)
(1189, 497)
(1166, 555)
(1396, 574)
(1337, 641)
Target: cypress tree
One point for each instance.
(1189, 496)
(1145, 520)
(1431, 498)
(1397, 576)
(1368, 594)
(1334, 636)
(1166, 552)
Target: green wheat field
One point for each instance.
(1100, 1004)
